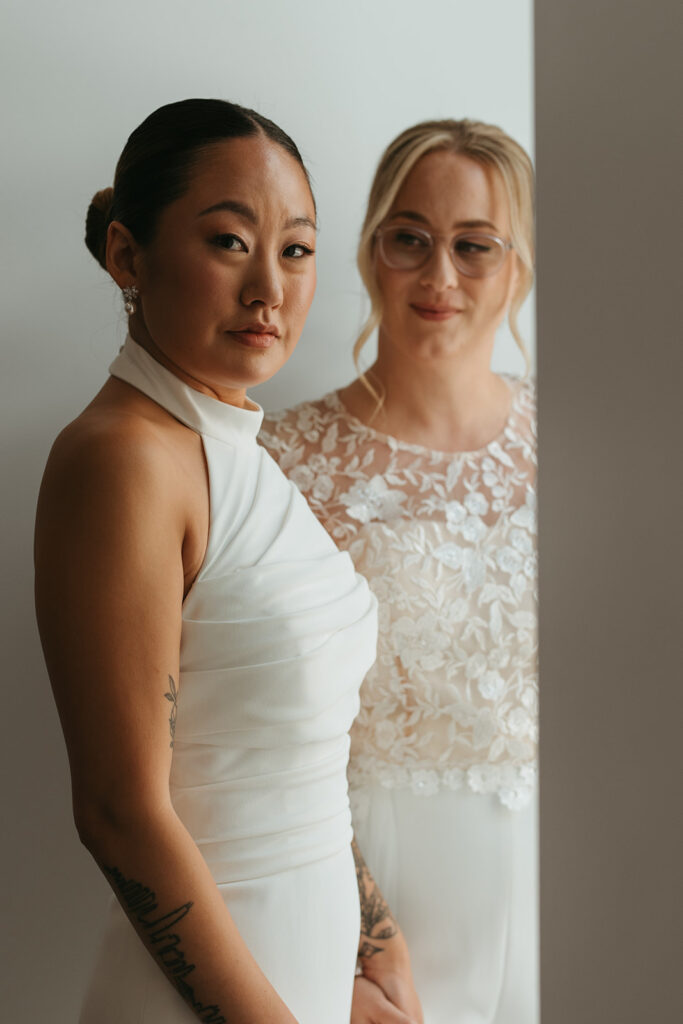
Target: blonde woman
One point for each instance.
(424, 469)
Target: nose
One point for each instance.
(439, 272)
(262, 283)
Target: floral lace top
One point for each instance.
(447, 544)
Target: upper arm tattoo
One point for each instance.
(141, 906)
(376, 921)
(173, 697)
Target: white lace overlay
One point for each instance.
(447, 544)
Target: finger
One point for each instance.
(371, 1006)
(407, 1002)
(390, 1014)
(402, 995)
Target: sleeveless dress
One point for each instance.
(443, 752)
(278, 631)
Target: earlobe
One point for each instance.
(122, 255)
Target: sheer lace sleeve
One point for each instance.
(447, 543)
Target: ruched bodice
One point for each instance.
(278, 632)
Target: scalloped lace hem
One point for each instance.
(514, 785)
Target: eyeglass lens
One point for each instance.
(474, 254)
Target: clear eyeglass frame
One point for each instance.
(461, 263)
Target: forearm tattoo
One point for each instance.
(376, 921)
(158, 932)
(172, 695)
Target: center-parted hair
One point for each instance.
(155, 166)
(486, 144)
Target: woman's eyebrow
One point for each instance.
(249, 214)
(475, 224)
(420, 219)
(235, 207)
(298, 222)
(409, 215)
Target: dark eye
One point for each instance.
(297, 251)
(408, 239)
(232, 243)
(470, 247)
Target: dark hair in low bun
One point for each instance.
(96, 223)
(154, 167)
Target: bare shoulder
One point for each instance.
(124, 463)
(118, 438)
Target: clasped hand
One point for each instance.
(385, 997)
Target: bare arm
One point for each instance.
(110, 577)
(384, 959)
(377, 924)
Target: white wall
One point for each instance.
(76, 77)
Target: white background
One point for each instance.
(77, 77)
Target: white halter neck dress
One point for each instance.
(278, 632)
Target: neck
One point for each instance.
(455, 403)
(234, 396)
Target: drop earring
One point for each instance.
(130, 294)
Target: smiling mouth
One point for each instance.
(434, 312)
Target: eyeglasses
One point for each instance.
(473, 254)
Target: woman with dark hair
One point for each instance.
(424, 470)
(204, 637)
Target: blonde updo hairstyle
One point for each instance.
(487, 145)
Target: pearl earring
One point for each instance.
(130, 294)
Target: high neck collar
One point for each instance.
(196, 410)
